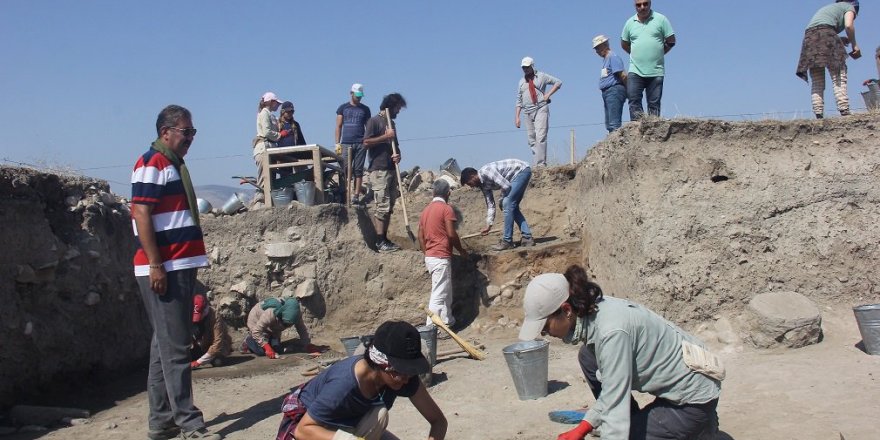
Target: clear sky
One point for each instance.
(82, 81)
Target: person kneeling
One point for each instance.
(267, 320)
(350, 400)
(211, 340)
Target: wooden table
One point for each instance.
(302, 155)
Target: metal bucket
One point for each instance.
(451, 165)
(305, 192)
(204, 206)
(235, 202)
(868, 318)
(528, 362)
(282, 196)
(428, 333)
(352, 343)
(871, 100)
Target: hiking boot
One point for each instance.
(503, 245)
(201, 433)
(164, 433)
(387, 246)
(527, 242)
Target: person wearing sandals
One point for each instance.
(351, 399)
(625, 347)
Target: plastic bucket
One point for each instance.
(868, 318)
(305, 192)
(451, 165)
(235, 202)
(282, 196)
(528, 363)
(204, 206)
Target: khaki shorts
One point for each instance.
(384, 192)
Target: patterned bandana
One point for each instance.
(378, 357)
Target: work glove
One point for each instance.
(195, 364)
(270, 353)
(284, 133)
(338, 149)
(578, 433)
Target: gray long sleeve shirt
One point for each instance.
(524, 98)
(636, 349)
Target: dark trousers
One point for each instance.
(258, 350)
(169, 380)
(661, 419)
(652, 87)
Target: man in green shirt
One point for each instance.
(647, 37)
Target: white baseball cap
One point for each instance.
(599, 39)
(544, 295)
(358, 90)
(527, 61)
(269, 96)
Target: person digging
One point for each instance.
(267, 320)
(511, 176)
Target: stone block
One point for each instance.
(492, 291)
(783, 319)
(309, 270)
(306, 288)
(280, 250)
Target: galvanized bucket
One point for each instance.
(282, 196)
(428, 333)
(528, 363)
(235, 202)
(305, 192)
(868, 318)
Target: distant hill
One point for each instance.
(217, 195)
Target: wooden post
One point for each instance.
(267, 179)
(572, 146)
(319, 175)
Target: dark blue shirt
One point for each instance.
(333, 398)
(354, 117)
(611, 65)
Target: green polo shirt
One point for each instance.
(646, 44)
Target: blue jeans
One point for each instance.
(511, 205)
(653, 89)
(614, 97)
(257, 349)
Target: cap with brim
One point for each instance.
(358, 90)
(544, 295)
(199, 306)
(402, 346)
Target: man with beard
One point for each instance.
(533, 98)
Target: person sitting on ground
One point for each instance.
(267, 320)
(634, 349)
(351, 399)
(512, 177)
(211, 340)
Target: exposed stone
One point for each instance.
(307, 288)
(215, 255)
(492, 291)
(241, 287)
(309, 270)
(26, 274)
(507, 292)
(785, 319)
(280, 250)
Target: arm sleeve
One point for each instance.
(519, 94)
(217, 347)
(667, 28)
(614, 354)
(265, 128)
(552, 80)
(490, 206)
(624, 35)
(263, 327)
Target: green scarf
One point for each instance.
(184, 177)
(579, 334)
(285, 309)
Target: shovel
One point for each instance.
(409, 231)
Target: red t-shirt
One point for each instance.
(432, 225)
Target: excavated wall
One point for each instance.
(694, 218)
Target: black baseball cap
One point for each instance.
(402, 345)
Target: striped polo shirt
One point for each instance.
(156, 182)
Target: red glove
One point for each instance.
(284, 133)
(270, 353)
(195, 364)
(578, 433)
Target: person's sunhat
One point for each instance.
(358, 90)
(269, 96)
(527, 61)
(544, 295)
(599, 39)
(402, 345)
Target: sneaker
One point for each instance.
(355, 201)
(387, 246)
(503, 246)
(201, 433)
(164, 433)
(527, 242)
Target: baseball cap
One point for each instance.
(599, 39)
(286, 105)
(402, 345)
(358, 90)
(200, 303)
(527, 61)
(269, 96)
(544, 295)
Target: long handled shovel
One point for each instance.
(399, 182)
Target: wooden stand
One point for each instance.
(303, 155)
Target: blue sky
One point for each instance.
(82, 82)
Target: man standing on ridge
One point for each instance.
(351, 118)
(612, 82)
(170, 250)
(533, 98)
(647, 37)
(378, 137)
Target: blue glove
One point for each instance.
(570, 417)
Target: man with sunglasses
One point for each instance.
(647, 37)
(170, 251)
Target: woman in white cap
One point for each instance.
(626, 347)
(267, 133)
(350, 400)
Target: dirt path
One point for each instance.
(811, 393)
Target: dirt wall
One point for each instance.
(696, 217)
(66, 285)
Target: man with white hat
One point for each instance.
(612, 82)
(533, 98)
(351, 118)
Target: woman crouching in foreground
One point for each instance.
(350, 400)
(626, 347)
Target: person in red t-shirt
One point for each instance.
(437, 237)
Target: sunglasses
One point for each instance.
(185, 131)
(643, 5)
